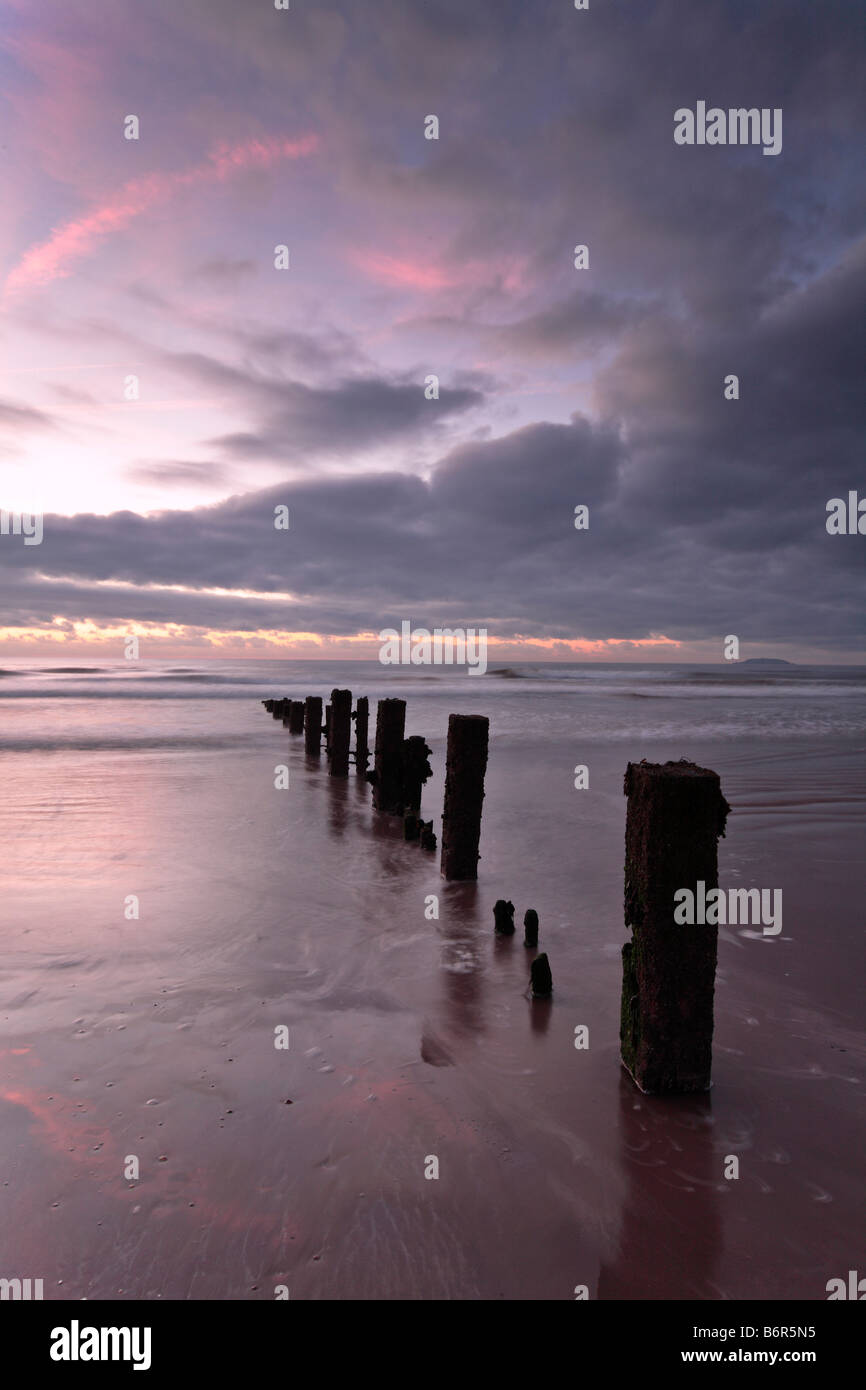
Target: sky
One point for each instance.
(165, 385)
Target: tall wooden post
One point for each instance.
(465, 766)
(388, 761)
(341, 729)
(296, 716)
(313, 724)
(676, 813)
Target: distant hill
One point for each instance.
(766, 661)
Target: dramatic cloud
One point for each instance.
(453, 258)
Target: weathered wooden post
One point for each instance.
(362, 725)
(503, 917)
(313, 724)
(530, 927)
(540, 977)
(296, 716)
(341, 730)
(465, 765)
(676, 813)
(387, 775)
(414, 772)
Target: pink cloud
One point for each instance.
(405, 273)
(51, 259)
(415, 275)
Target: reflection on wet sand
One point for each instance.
(670, 1229)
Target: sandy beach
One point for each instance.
(410, 1037)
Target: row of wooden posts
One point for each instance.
(401, 767)
(675, 815)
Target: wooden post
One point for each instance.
(296, 716)
(341, 729)
(540, 977)
(313, 724)
(676, 812)
(503, 917)
(362, 725)
(387, 773)
(414, 772)
(530, 927)
(465, 765)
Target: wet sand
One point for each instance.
(409, 1038)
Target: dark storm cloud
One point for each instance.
(327, 350)
(706, 516)
(587, 155)
(579, 322)
(566, 331)
(557, 127)
(292, 419)
(349, 415)
(794, 436)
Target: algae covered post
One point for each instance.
(465, 766)
(675, 815)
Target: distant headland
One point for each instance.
(766, 661)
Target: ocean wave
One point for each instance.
(51, 671)
(122, 743)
